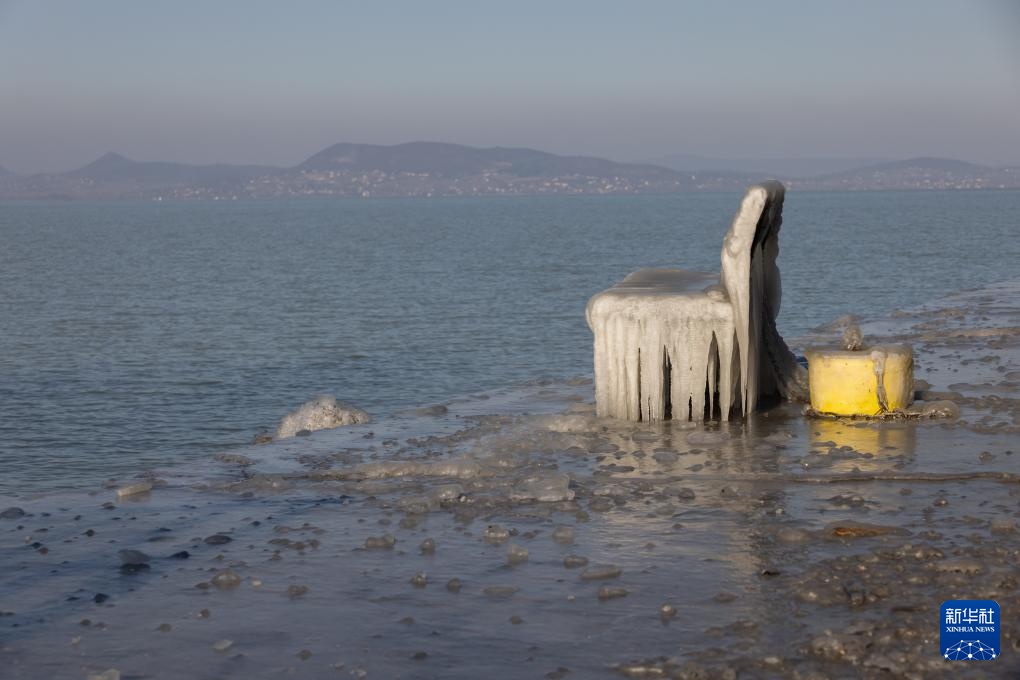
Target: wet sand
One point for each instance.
(513, 534)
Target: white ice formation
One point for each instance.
(321, 413)
(683, 345)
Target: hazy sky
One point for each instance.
(274, 82)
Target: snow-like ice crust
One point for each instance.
(321, 413)
(669, 340)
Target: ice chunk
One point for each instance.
(133, 489)
(463, 468)
(321, 413)
(516, 554)
(494, 533)
(543, 488)
(601, 572)
(853, 338)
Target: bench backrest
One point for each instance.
(752, 282)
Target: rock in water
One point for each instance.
(12, 513)
(321, 413)
(218, 539)
(133, 558)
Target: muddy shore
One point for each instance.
(513, 534)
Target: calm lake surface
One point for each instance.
(135, 335)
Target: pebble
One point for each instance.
(516, 554)
(296, 591)
(164, 628)
(1002, 525)
(217, 539)
(419, 580)
(384, 542)
(667, 611)
(100, 598)
(601, 572)
(428, 546)
(182, 555)
(133, 558)
(256, 583)
(516, 620)
(304, 654)
(563, 535)
(574, 561)
(500, 591)
(223, 645)
(607, 593)
(226, 579)
(454, 585)
(683, 493)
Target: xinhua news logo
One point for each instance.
(970, 630)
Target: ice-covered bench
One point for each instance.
(672, 343)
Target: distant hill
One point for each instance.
(112, 167)
(439, 169)
(455, 160)
(916, 173)
(772, 167)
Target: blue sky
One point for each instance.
(273, 82)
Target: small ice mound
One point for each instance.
(702, 438)
(545, 488)
(463, 468)
(321, 413)
(572, 423)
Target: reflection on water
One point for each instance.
(867, 446)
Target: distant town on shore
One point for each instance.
(426, 169)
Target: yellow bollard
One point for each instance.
(867, 382)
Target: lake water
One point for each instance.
(135, 335)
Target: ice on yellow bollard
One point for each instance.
(867, 382)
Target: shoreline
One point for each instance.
(784, 546)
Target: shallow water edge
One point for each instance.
(513, 534)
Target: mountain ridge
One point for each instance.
(423, 168)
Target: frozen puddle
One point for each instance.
(517, 535)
